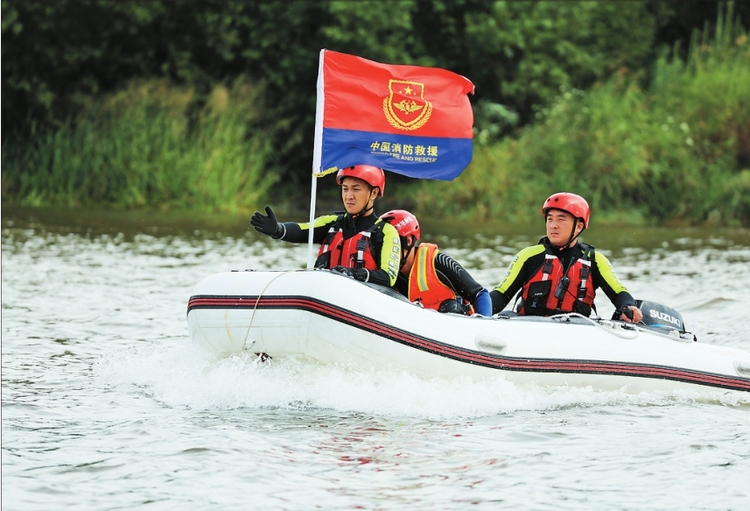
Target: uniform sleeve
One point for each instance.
(605, 278)
(519, 271)
(299, 233)
(390, 258)
(452, 274)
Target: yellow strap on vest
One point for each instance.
(423, 259)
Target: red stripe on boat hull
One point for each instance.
(465, 355)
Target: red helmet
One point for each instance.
(405, 223)
(373, 176)
(570, 202)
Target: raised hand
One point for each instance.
(266, 224)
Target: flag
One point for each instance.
(412, 120)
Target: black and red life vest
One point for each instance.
(354, 252)
(555, 290)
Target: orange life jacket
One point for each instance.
(424, 284)
(552, 290)
(354, 252)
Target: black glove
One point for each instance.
(360, 274)
(267, 224)
(622, 310)
(627, 311)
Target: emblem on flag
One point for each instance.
(405, 107)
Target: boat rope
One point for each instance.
(622, 330)
(255, 308)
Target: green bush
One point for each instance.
(149, 144)
(677, 150)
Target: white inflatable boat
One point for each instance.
(320, 316)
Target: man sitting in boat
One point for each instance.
(431, 277)
(560, 275)
(356, 242)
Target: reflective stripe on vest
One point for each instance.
(547, 266)
(585, 273)
(424, 284)
(362, 248)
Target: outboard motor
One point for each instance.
(660, 316)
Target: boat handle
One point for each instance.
(491, 344)
(742, 368)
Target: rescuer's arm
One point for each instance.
(518, 271)
(605, 278)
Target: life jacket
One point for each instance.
(425, 286)
(354, 252)
(552, 290)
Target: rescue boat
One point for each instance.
(324, 317)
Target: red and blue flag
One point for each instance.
(411, 120)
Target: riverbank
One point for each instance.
(666, 147)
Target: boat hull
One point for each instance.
(320, 316)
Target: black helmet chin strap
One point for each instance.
(573, 235)
(408, 251)
(370, 207)
(365, 210)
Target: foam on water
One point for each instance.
(183, 376)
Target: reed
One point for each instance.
(151, 144)
(676, 150)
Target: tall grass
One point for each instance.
(152, 144)
(677, 150)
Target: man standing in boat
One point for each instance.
(433, 278)
(560, 275)
(356, 242)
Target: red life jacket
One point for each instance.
(424, 284)
(552, 290)
(354, 252)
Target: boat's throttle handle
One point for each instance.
(627, 311)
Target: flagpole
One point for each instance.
(313, 191)
(317, 150)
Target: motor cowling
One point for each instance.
(660, 316)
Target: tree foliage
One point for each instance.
(518, 54)
(675, 150)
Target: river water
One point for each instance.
(107, 405)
